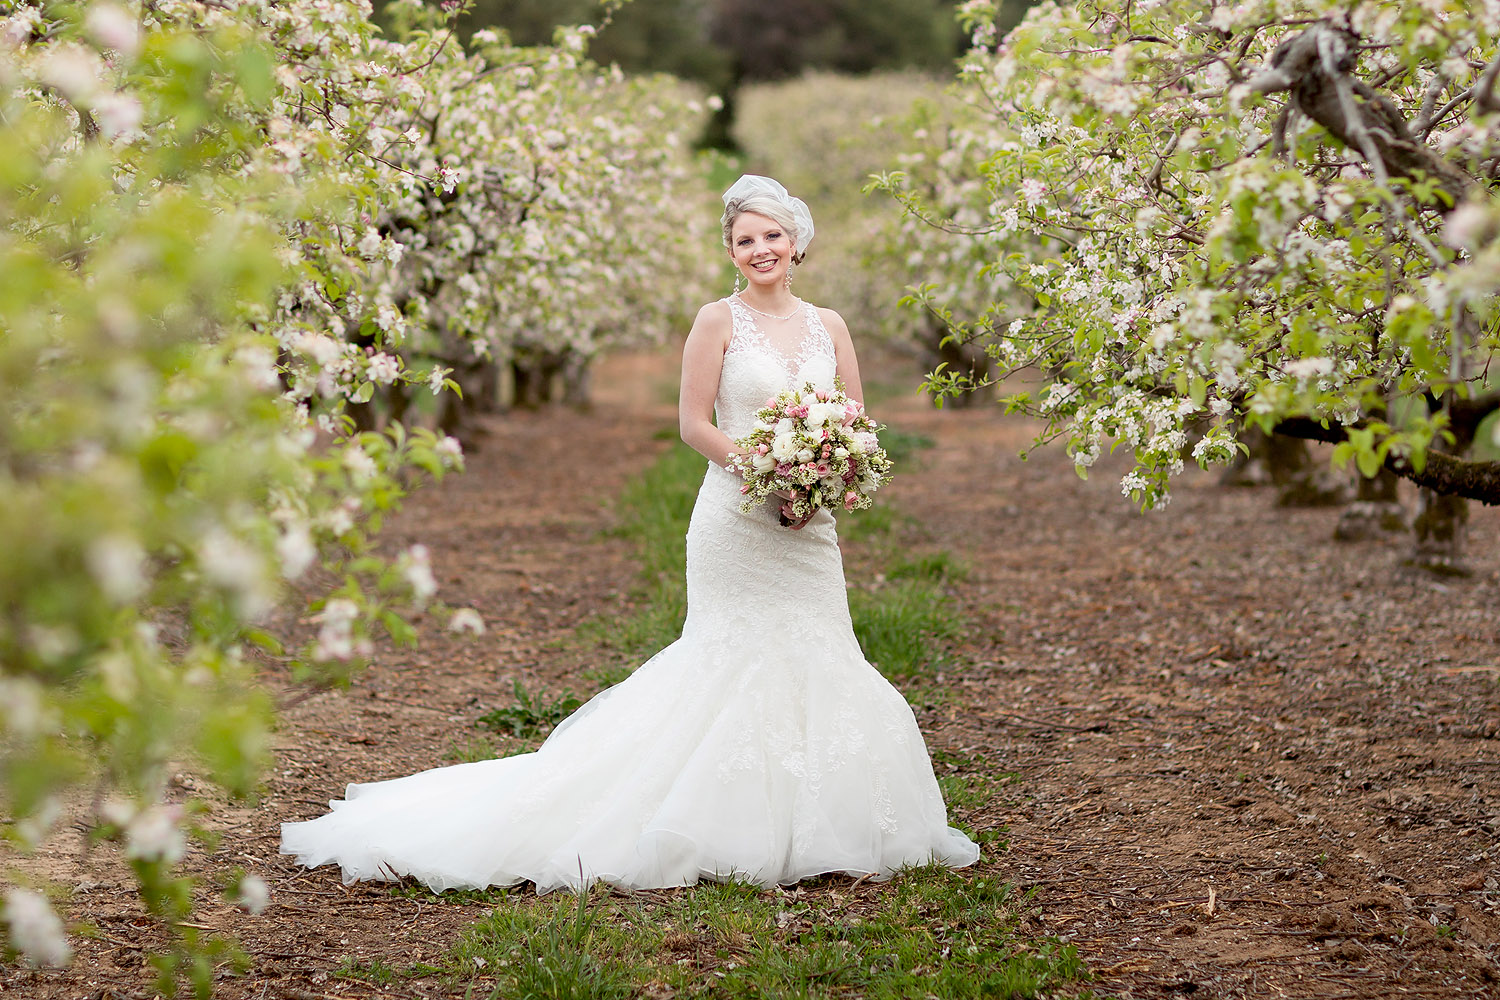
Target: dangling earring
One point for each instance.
(738, 277)
(788, 279)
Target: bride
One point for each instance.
(760, 745)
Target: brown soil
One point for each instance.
(1253, 761)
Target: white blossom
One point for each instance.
(418, 572)
(336, 636)
(253, 894)
(117, 562)
(35, 930)
(382, 367)
(466, 620)
(154, 835)
(296, 550)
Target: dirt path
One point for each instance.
(1253, 762)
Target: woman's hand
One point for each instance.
(789, 518)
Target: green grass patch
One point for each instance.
(970, 784)
(872, 525)
(928, 933)
(455, 897)
(906, 626)
(933, 567)
(902, 446)
(470, 749)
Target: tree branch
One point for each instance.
(1484, 89)
(1443, 473)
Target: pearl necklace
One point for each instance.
(767, 315)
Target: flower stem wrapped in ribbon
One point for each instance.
(812, 448)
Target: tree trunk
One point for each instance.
(968, 359)
(577, 381)
(1286, 464)
(533, 384)
(1376, 509)
(1438, 533)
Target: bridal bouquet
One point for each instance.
(815, 446)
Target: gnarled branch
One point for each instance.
(1314, 67)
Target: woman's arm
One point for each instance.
(702, 361)
(843, 351)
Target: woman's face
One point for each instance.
(761, 249)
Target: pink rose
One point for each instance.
(822, 469)
(763, 449)
(745, 488)
(850, 499)
(822, 396)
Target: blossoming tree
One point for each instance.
(1220, 215)
(221, 226)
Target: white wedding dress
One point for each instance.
(760, 745)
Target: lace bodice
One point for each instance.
(755, 369)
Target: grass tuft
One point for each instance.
(531, 715)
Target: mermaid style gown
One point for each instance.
(760, 745)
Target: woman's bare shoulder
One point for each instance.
(837, 328)
(715, 312)
(713, 322)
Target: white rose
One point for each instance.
(762, 463)
(841, 453)
(785, 426)
(805, 455)
(822, 413)
(784, 447)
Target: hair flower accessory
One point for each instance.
(755, 185)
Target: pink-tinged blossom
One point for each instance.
(117, 115)
(383, 368)
(113, 28)
(1033, 191)
(72, 70)
(1465, 225)
(450, 448)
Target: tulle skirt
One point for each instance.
(759, 746)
